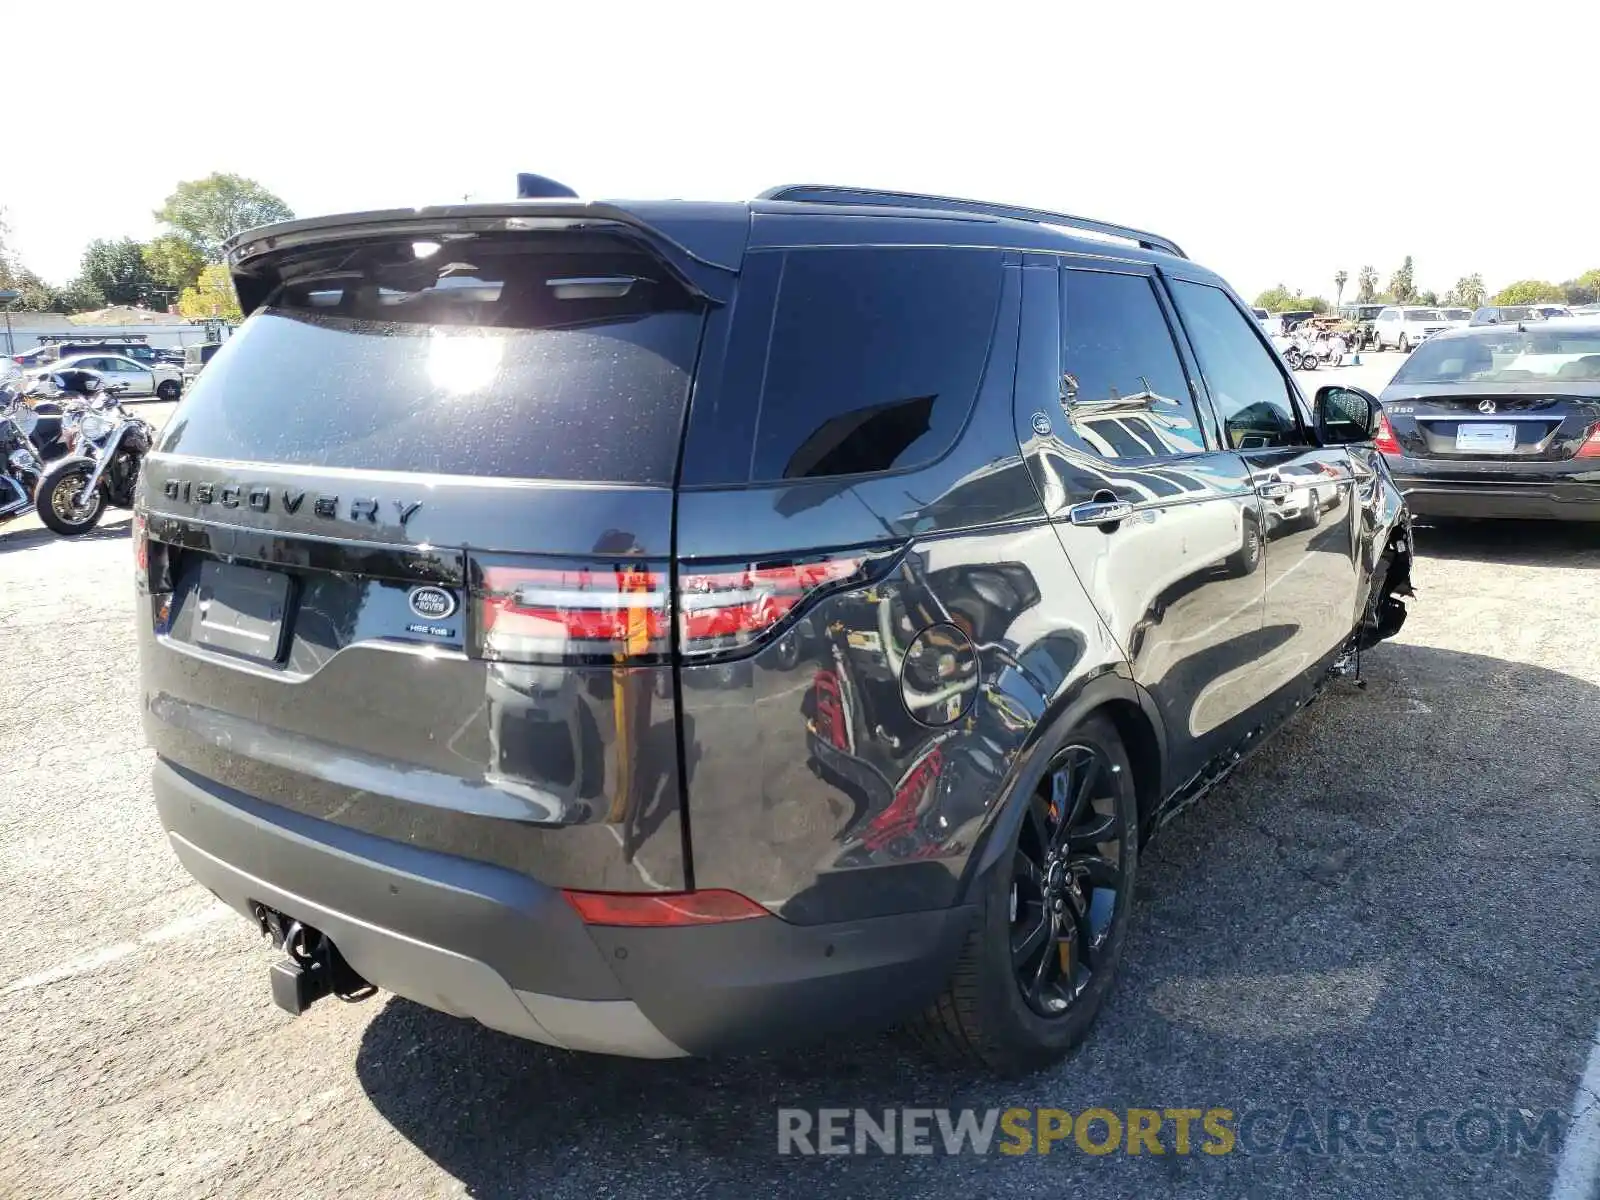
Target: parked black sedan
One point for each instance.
(1499, 421)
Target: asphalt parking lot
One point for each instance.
(1394, 907)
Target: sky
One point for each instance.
(1275, 142)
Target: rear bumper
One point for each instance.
(477, 940)
(1552, 499)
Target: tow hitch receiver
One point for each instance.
(313, 968)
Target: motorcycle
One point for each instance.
(107, 448)
(23, 467)
(1309, 349)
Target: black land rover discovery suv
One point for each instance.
(676, 628)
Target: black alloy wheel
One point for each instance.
(1066, 880)
(1053, 916)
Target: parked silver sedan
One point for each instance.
(140, 379)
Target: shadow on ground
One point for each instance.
(25, 538)
(1391, 905)
(1518, 543)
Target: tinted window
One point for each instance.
(490, 361)
(875, 358)
(1250, 392)
(1124, 386)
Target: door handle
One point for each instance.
(1274, 489)
(1100, 512)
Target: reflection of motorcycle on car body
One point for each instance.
(904, 664)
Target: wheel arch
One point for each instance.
(1138, 723)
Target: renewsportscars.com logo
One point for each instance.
(1161, 1131)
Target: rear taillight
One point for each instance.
(711, 906)
(622, 612)
(725, 610)
(1590, 446)
(598, 612)
(1385, 440)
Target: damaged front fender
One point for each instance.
(1385, 552)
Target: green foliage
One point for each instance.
(1585, 289)
(1403, 283)
(1468, 292)
(209, 211)
(174, 262)
(80, 295)
(211, 296)
(1367, 285)
(1281, 299)
(1430, 298)
(1530, 291)
(117, 270)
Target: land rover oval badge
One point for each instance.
(431, 603)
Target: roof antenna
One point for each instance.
(541, 187)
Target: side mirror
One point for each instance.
(1345, 415)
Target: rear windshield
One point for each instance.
(1421, 314)
(492, 356)
(1538, 356)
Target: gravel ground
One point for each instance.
(1392, 906)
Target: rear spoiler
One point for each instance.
(705, 246)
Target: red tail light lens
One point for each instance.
(1590, 447)
(600, 612)
(622, 612)
(724, 610)
(1385, 440)
(659, 909)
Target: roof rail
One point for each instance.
(815, 193)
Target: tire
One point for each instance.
(1313, 516)
(1247, 558)
(168, 390)
(786, 654)
(61, 482)
(984, 1018)
(1292, 357)
(1403, 346)
(1308, 362)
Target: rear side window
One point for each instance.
(874, 358)
(515, 357)
(1122, 383)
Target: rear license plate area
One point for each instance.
(242, 611)
(1484, 437)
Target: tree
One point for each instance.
(1529, 291)
(1275, 299)
(1402, 284)
(1281, 299)
(1367, 285)
(211, 296)
(174, 262)
(209, 211)
(1585, 289)
(116, 269)
(1429, 298)
(1340, 278)
(1468, 292)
